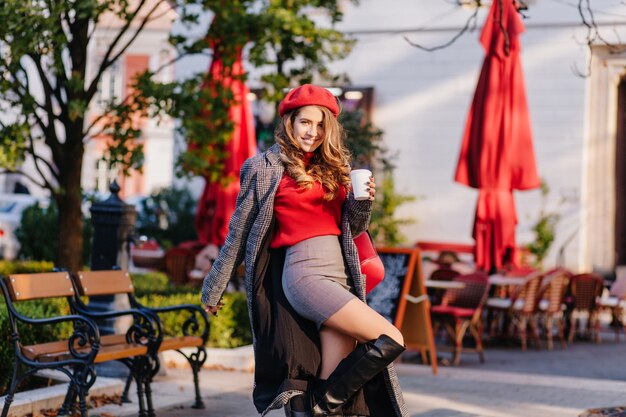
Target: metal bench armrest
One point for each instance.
(191, 325)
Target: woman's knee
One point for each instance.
(385, 327)
(362, 323)
(395, 334)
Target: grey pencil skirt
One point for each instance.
(314, 278)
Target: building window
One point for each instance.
(109, 85)
(104, 176)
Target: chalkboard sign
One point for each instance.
(401, 298)
(386, 297)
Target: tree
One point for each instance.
(283, 42)
(46, 91)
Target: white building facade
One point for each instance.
(149, 51)
(421, 101)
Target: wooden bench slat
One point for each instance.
(172, 343)
(33, 352)
(57, 351)
(42, 285)
(169, 343)
(112, 339)
(114, 352)
(104, 282)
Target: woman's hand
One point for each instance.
(371, 188)
(213, 309)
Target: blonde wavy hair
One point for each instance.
(330, 164)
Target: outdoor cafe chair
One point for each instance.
(519, 309)
(441, 274)
(524, 310)
(584, 291)
(461, 310)
(178, 264)
(551, 305)
(615, 303)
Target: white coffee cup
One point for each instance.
(360, 183)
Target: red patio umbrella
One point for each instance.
(217, 203)
(497, 154)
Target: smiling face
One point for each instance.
(308, 128)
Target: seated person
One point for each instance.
(446, 260)
(203, 261)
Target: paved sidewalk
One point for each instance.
(561, 383)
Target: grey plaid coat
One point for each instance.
(286, 346)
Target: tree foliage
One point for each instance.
(168, 216)
(293, 47)
(47, 89)
(38, 234)
(282, 41)
(364, 140)
(544, 228)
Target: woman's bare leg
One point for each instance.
(335, 347)
(347, 368)
(359, 321)
(354, 321)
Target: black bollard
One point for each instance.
(113, 222)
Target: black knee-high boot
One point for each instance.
(361, 365)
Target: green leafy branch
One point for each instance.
(544, 228)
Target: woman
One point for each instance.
(294, 223)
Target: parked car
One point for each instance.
(11, 208)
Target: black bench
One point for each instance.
(76, 357)
(194, 331)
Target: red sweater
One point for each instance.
(302, 214)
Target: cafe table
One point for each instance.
(430, 283)
(504, 286)
(498, 279)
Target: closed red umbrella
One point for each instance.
(497, 154)
(217, 203)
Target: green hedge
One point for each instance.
(24, 267)
(38, 234)
(158, 283)
(38, 309)
(151, 282)
(31, 334)
(229, 329)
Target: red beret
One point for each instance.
(308, 95)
